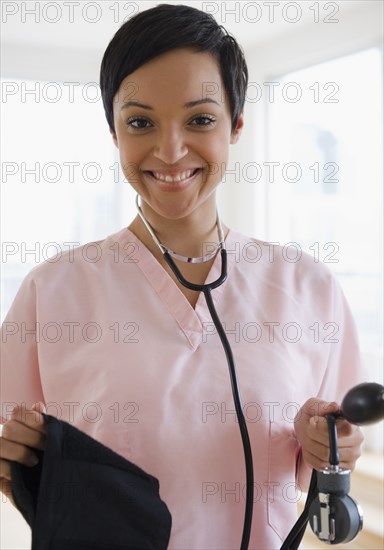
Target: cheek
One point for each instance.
(129, 161)
(218, 151)
(132, 153)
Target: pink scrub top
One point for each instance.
(104, 337)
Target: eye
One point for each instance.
(203, 120)
(138, 123)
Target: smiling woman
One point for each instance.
(173, 139)
(173, 84)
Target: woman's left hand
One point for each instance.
(311, 430)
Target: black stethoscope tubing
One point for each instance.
(206, 289)
(293, 540)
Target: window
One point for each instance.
(325, 129)
(61, 182)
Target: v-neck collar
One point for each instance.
(190, 320)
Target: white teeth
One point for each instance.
(169, 179)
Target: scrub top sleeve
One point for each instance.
(20, 377)
(344, 368)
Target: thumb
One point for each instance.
(316, 408)
(327, 407)
(39, 407)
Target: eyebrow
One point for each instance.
(187, 105)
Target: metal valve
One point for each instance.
(326, 530)
(333, 515)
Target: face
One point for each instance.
(173, 130)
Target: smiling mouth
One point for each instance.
(182, 176)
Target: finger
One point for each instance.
(9, 450)
(322, 408)
(29, 417)
(349, 448)
(348, 457)
(318, 430)
(316, 462)
(319, 460)
(315, 407)
(15, 431)
(39, 407)
(344, 428)
(353, 440)
(347, 435)
(319, 451)
(5, 469)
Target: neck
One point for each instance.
(187, 236)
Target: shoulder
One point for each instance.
(73, 262)
(271, 256)
(282, 268)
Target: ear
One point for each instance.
(114, 137)
(235, 135)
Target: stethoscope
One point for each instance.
(206, 289)
(363, 404)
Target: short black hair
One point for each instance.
(167, 27)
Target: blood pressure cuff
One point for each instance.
(84, 496)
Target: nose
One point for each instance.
(170, 146)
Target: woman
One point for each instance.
(137, 363)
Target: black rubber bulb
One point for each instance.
(364, 404)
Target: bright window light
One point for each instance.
(61, 182)
(327, 193)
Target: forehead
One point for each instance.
(178, 76)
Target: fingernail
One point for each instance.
(33, 460)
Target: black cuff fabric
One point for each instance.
(84, 496)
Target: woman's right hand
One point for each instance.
(21, 434)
